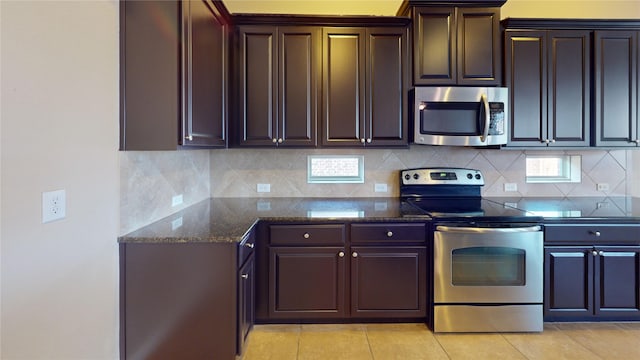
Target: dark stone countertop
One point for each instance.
(228, 220)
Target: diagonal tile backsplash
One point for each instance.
(235, 172)
(149, 180)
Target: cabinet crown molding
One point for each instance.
(571, 24)
(405, 7)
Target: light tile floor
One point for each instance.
(579, 341)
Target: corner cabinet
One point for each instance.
(548, 75)
(364, 89)
(278, 74)
(457, 46)
(173, 76)
(589, 278)
(616, 88)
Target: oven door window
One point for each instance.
(452, 118)
(488, 266)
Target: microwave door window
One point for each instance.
(451, 118)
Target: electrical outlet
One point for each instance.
(602, 187)
(380, 187)
(176, 200)
(263, 188)
(54, 205)
(176, 223)
(510, 187)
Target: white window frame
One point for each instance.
(314, 178)
(570, 171)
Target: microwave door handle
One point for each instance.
(487, 118)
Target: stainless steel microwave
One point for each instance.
(461, 116)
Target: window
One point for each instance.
(335, 169)
(553, 168)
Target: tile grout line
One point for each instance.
(366, 335)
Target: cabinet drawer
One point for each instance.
(246, 248)
(593, 233)
(307, 235)
(388, 232)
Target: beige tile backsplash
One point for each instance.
(149, 180)
(235, 172)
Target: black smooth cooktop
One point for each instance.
(467, 209)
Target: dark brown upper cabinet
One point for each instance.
(548, 75)
(364, 87)
(456, 45)
(616, 115)
(173, 77)
(279, 68)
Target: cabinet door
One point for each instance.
(386, 95)
(149, 95)
(525, 75)
(616, 86)
(257, 67)
(299, 69)
(569, 87)
(204, 117)
(434, 46)
(617, 283)
(306, 283)
(568, 283)
(343, 114)
(479, 47)
(388, 282)
(246, 301)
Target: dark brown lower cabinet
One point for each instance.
(388, 282)
(307, 282)
(246, 301)
(592, 283)
(178, 301)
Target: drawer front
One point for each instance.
(307, 235)
(388, 233)
(593, 233)
(246, 248)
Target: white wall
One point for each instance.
(59, 68)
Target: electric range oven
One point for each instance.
(487, 257)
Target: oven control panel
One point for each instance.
(441, 176)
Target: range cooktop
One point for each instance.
(452, 194)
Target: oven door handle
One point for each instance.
(481, 230)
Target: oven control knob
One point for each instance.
(416, 176)
(469, 176)
(407, 177)
(477, 176)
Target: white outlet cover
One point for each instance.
(54, 205)
(263, 188)
(380, 187)
(176, 200)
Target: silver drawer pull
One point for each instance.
(306, 235)
(354, 254)
(389, 233)
(249, 245)
(341, 254)
(244, 276)
(595, 233)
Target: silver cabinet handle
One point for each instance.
(341, 254)
(595, 233)
(369, 141)
(354, 254)
(280, 140)
(190, 137)
(244, 276)
(546, 141)
(389, 233)
(553, 140)
(249, 245)
(274, 140)
(362, 140)
(594, 253)
(478, 230)
(306, 235)
(600, 252)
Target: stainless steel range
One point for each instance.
(487, 257)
